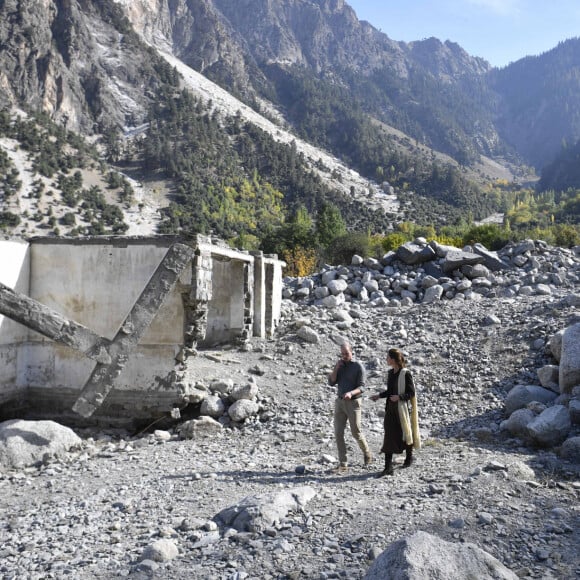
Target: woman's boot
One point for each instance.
(388, 470)
(409, 456)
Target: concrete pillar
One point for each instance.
(259, 328)
(196, 303)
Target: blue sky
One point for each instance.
(501, 31)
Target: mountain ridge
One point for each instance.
(115, 84)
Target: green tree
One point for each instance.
(329, 224)
(298, 231)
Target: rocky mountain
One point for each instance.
(98, 70)
(306, 72)
(538, 111)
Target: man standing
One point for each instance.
(349, 375)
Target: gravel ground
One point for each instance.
(93, 513)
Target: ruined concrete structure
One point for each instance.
(100, 327)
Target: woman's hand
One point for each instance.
(374, 397)
(394, 398)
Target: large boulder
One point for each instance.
(549, 377)
(422, 556)
(26, 443)
(570, 359)
(203, 428)
(521, 395)
(551, 426)
(308, 334)
(337, 286)
(555, 345)
(433, 294)
(491, 259)
(455, 260)
(256, 513)
(213, 406)
(160, 551)
(243, 409)
(412, 253)
(571, 449)
(574, 408)
(247, 391)
(517, 423)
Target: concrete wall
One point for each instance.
(96, 282)
(14, 273)
(225, 319)
(96, 285)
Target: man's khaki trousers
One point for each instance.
(351, 411)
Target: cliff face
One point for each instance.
(90, 64)
(78, 61)
(82, 62)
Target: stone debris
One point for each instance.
(422, 556)
(493, 492)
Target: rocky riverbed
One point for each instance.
(154, 505)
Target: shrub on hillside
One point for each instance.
(342, 249)
(567, 236)
(299, 261)
(8, 220)
(492, 236)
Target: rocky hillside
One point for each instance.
(413, 129)
(98, 62)
(223, 495)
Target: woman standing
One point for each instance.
(401, 428)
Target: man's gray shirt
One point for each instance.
(349, 377)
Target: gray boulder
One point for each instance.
(160, 551)
(440, 249)
(433, 294)
(521, 395)
(570, 359)
(337, 286)
(411, 253)
(555, 345)
(571, 449)
(476, 271)
(573, 300)
(256, 513)
(574, 408)
(307, 334)
(518, 422)
(423, 556)
(455, 260)
(213, 406)
(549, 377)
(333, 301)
(222, 387)
(243, 409)
(328, 276)
(203, 428)
(26, 443)
(551, 426)
(491, 259)
(247, 391)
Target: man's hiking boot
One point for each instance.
(340, 470)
